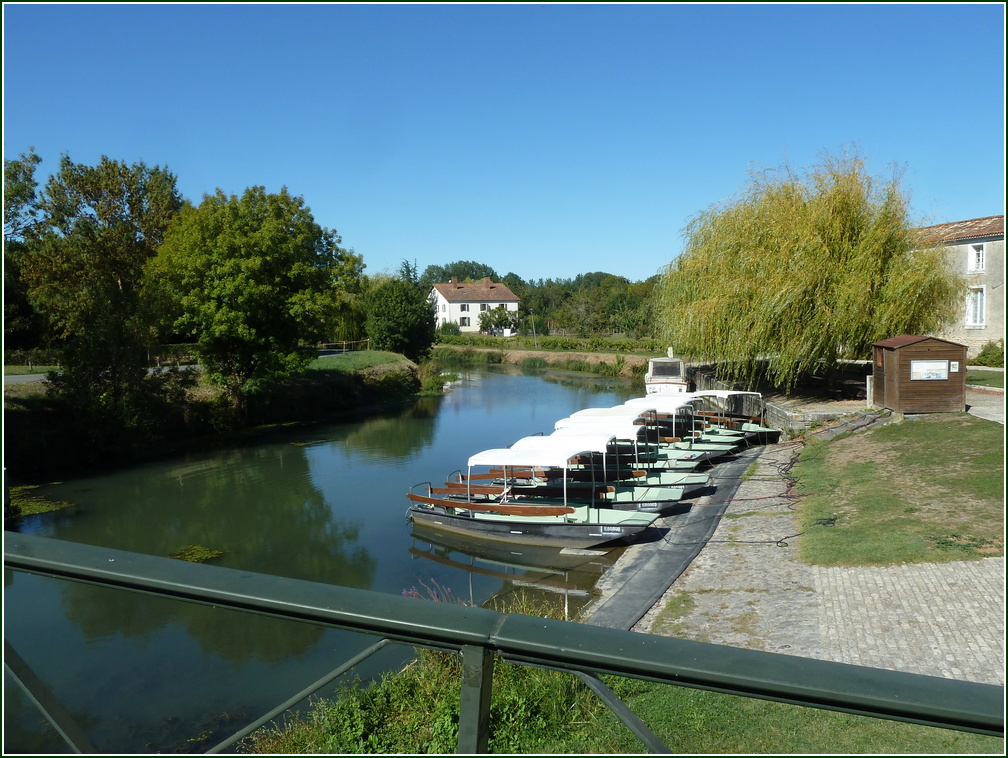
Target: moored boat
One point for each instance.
(511, 512)
(666, 375)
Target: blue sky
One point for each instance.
(544, 140)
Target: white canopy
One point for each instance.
(662, 403)
(621, 428)
(550, 452)
(595, 440)
(616, 411)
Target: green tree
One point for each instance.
(466, 271)
(23, 325)
(801, 271)
(400, 315)
(83, 266)
(251, 279)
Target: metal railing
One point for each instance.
(481, 635)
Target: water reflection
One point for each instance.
(561, 578)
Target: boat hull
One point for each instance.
(550, 533)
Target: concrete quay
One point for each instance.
(744, 587)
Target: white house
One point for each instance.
(976, 252)
(463, 302)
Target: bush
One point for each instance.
(448, 329)
(991, 354)
(37, 357)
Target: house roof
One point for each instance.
(909, 339)
(954, 231)
(470, 292)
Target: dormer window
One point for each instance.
(976, 258)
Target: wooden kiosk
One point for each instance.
(919, 375)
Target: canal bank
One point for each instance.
(744, 587)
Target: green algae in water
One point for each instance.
(196, 554)
(24, 503)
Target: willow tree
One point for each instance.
(801, 271)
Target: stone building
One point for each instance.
(976, 252)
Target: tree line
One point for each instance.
(105, 262)
(583, 306)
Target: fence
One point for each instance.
(344, 346)
(480, 635)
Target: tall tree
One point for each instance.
(400, 315)
(801, 271)
(251, 279)
(83, 265)
(23, 326)
(466, 271)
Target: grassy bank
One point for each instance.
(604, 364)
(53, 442)
(921, 491)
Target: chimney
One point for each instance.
(486, 280)
(454, 282)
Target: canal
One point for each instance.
(324, 503)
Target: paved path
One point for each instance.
(988, 404)
(745, 588)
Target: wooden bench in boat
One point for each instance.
(507, 509)
(576, 489)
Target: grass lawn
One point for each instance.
(22, 370)
(983, 378)
(929, 489)
(358, 360)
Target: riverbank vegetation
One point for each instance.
(55, 440)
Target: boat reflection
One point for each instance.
(563, 577)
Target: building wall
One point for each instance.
(467, 314)
(990, 281)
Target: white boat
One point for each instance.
(510, 512)
(666, 376)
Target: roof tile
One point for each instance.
(954, 231)
(470, 292)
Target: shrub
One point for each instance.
(448, 329)
(991, 354)
(533, 363)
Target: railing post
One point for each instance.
(474, 705)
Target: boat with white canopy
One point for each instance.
(507, 511)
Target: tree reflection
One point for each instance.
(401, 435)
(260, 506)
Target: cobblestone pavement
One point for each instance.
(746, 589)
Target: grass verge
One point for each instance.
(930, 489)
(535, 711)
